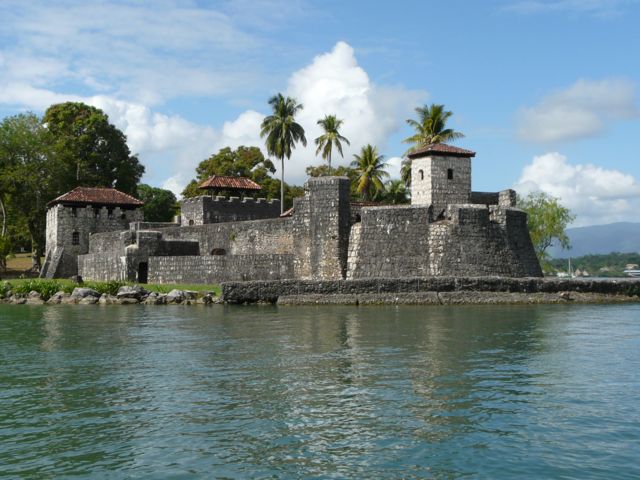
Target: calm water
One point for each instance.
(344, 392)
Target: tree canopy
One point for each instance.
(244, 162)
(370, 167)
(330, 138)
(430, 127)
(90, 151)
(160, 205)
(547, 221)
(282, 132)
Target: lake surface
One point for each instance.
(320, 392)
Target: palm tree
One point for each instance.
(282, 132)
(429, 128)
(325, 142)
(395, 192)
(370, 168)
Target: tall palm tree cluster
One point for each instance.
(282, 133)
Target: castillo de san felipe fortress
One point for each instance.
(448, 230)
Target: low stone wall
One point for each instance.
(463, 287)
(103, 267)
(216, 269)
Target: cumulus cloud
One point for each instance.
(594, 194)
(580, 111)
(333, 83)
(171, 146)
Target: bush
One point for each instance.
(110, 288)
(46, 288)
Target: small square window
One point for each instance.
(75, 238)
(449, 173)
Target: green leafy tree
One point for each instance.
(160, 205)
(282, 132)
(395, 192)
(29, 177)
(90, 151)
(330, 138)
(244, 162)
(430, 127)
(370, 168)
(341, 171)
(547, 221)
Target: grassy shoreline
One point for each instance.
(47, 287)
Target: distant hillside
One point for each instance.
(600, 239)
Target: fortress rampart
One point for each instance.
(448, 230)
(206, 209)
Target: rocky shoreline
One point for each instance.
(126, 295)
(380, 291)
(432, 291)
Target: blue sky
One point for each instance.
(545, 90)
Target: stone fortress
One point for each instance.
(448, 230)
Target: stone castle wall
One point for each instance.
(431, 185)
(323, 240)
(206, 209)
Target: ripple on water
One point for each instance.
(237, 392)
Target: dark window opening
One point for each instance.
(110, 212)
(96, 212)
(358, 218)
(421, 174)
(449, 173)
(123, 216)
(218, 251)
(143, 272)
(191, 222)
(75, 238)
(74, 212)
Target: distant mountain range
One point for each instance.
(623, 237)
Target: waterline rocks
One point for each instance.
(432, 290)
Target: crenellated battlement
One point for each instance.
(206, 209)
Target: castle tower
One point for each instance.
(72, 217)
(440, 175)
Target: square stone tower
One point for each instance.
(440, 176)
(74, 216)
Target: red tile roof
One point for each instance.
(97, 196)
(229, 183)
(441, 149)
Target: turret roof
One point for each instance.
(441, 149)
(229, 183)
(97, 196)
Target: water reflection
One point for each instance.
(298, 392)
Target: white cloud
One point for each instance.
(594, 194)
(171, 147)
(333, 83)
(144, 51)
(598, 8)
(582, 110)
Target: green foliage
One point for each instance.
(370, 168)
(330, 138)
(5, 251)
(29, 177)
(110, 288)
(245, 162)
(90, 151)
(282, 132)
(547, 221)
(395, 192)
(341, 171)
(431, 127)
(610, 265)
(46, 288)
(159, 205)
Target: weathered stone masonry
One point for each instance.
(447, 230)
